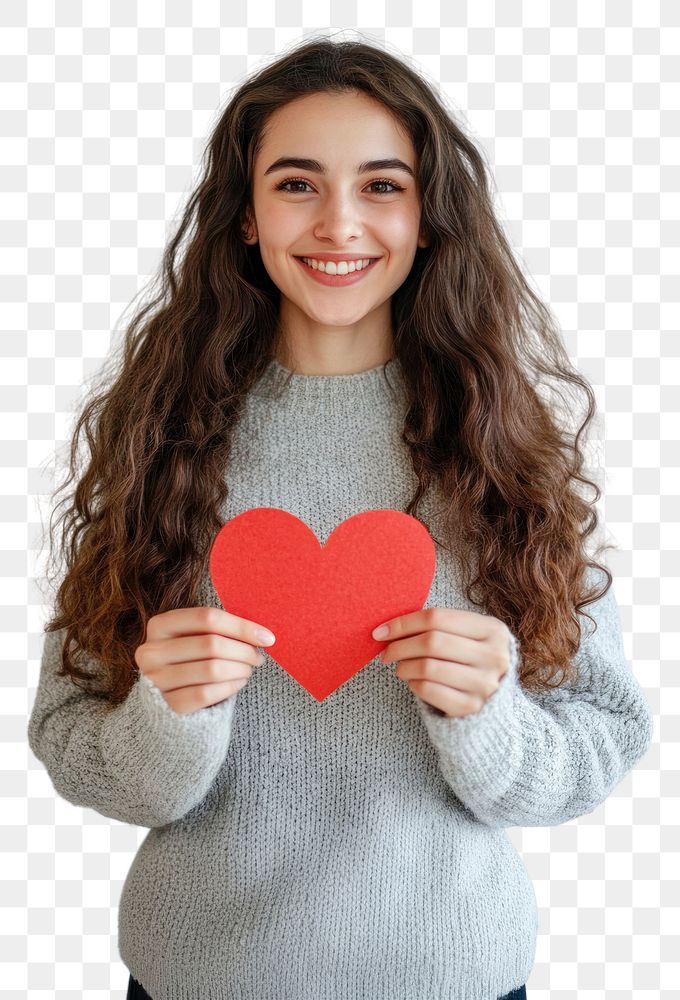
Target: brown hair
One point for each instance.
(475, 345)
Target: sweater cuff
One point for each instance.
(479, 754)
(177, 755)
(163, 716)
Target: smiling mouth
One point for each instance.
(352, 268)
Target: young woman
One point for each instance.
(355, 846)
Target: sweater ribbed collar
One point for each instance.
(367, 387)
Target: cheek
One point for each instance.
(399, 228)
(278, 226)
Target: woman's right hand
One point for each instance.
(199, 656)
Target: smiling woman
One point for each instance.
(355, 847)
(356, 198)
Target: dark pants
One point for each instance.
(137, 992)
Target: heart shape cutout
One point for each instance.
(322, 602)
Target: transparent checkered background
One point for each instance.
(104, 112)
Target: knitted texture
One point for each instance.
(353, 848)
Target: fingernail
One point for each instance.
(381, 632)
(264, 636)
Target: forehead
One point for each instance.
(346, 127)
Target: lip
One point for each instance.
(341, 256)
(336, 280)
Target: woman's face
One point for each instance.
(336, 205)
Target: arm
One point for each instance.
(139, 762)
(540, 759)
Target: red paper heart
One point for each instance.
(322, 602)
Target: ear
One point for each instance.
(248, 229)
(423, 238)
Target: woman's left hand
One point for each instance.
(452, 659)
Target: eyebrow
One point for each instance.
(315, 166)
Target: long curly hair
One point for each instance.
(477, 347)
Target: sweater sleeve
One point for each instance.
(140, 761)
(540, 759)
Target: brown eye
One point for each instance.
(294, 180)
(395, 187)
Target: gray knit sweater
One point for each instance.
(353, 848)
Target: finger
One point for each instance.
(186, 701)
(458, 676)
(218, 647)
(451, 702)
(201, 620)
(439, 645)
(205, 672)
(190, 648)
(458, 621)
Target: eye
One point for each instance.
(392, 184)
(283, 186)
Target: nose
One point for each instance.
(339, 220)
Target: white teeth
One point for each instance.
(337, 267)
